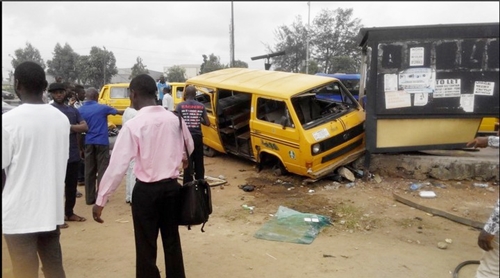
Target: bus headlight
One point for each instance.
(316, 148)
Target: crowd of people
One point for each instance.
(40, 186)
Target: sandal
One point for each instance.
(63, 226)
(78, 194)
(75, 218)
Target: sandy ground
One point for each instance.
(372, 234)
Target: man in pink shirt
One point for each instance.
(143, 139)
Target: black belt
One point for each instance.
(156, 182)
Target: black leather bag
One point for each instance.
(195, 204)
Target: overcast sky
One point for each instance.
(171, 33)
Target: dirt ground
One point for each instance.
(372, 234)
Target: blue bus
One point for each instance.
(350, 81)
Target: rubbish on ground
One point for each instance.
(222, 177)
(211, 180)
(335, 177)
(349, 185)
(377, 178)
(247, 207)
(271, 256)
(311, 191)
(448, 240)
(292, 226)
(442, 245)
(438, 184)
(346, 173)
(427, 194)
(481, 185)
(415, 186)
(247, 187)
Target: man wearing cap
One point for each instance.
(78, 125)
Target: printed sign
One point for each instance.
(417, 80)
(421, 99)
(447, 88)
(467, 102)
(417, 56)
(390, 82)
(484, 88)
(397, 99)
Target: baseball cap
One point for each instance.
(56, 86)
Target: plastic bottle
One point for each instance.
(415, 186)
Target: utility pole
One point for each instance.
(307, 45)
(231, 63)
(104, 66)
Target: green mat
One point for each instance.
(289, 225)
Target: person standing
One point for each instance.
(488, 237)
(155, 195)
(160, 85)
(168, 101)
(80, 97)
(129, 113)
(96, 142)
(58, 93)
(34, 158)
(195, 114)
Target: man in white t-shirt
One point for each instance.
(34, 157)
(168, 101)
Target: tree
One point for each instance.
(63, 63)
(293, 41)
(334, 34)
(240, 64)
(29, 53)
(97, 68)
(176, 74)
(211, 63)
(138, 69)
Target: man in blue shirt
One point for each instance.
(78, 125)
(160, 85)
(96, 141)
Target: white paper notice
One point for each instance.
(467, 102)
(397, 99)
(417, 56)
(390, 82)
(421, 99)
(484, 88)
(447, 88)
(321, 134)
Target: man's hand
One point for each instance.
(96, 213)
(484, 240)
(478, 142)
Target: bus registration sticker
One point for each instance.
(321, 134)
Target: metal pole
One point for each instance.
(104, 66)
(307, 45)
(232, 36)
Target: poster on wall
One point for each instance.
(397, 99)
(421, 99)
(416, 56)
(447, 88)
(467, 102)
(417, 80)
(484, 88)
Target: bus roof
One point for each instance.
(271, 83)
(341, 76)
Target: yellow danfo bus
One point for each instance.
(281, 119)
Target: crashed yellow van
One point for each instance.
(303, 124)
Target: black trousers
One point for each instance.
(195, 161)
(71, 182)
(24, 250)
(96, 162)
(154, 209)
